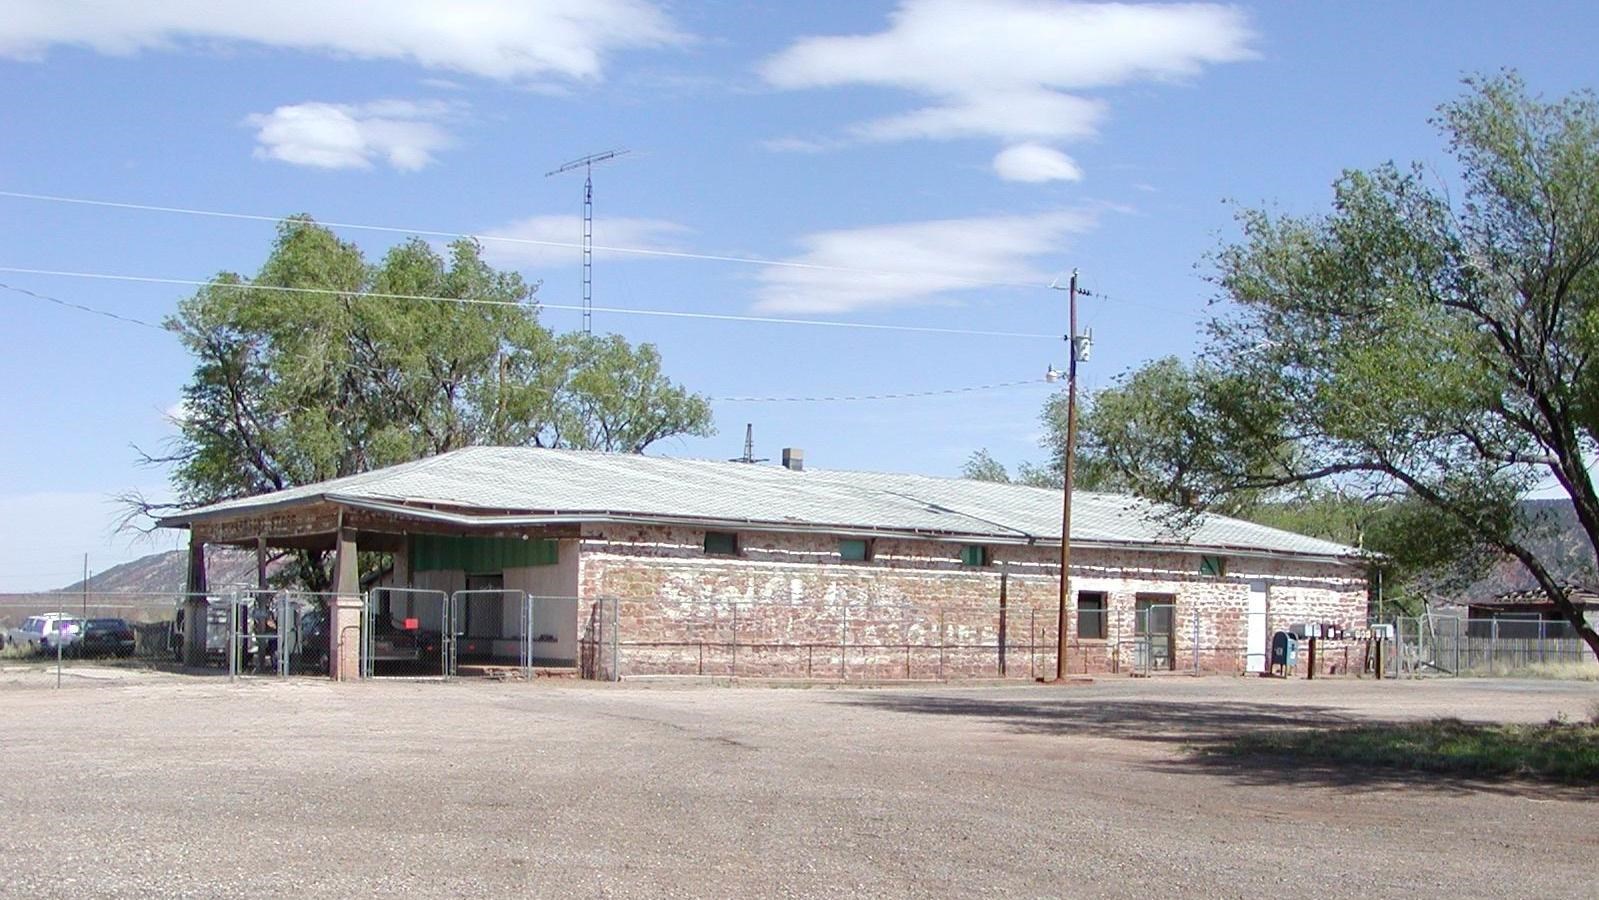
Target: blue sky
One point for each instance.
(941, 162)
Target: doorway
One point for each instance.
(480, 617)
(1255, 657)
(1155, 618)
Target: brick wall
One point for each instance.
(788, 604)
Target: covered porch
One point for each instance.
(428, 586)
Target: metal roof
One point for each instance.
(525, 485)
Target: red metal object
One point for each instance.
(412, 624)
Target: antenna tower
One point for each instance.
(586, 163)
(749, 447)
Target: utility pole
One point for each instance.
(586, 163)
(86, 585)
(1078, 345)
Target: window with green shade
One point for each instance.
(1212, 565)
(975, 555)
(721, 543)
(854, 550)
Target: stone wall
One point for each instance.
(790, 605)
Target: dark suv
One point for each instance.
(105, 637)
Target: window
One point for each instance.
(1090, 616)
(976, 555)
(721, 543)
(1212, 565)
(854, 550)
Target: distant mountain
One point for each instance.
(168, 572)
(1554, 534)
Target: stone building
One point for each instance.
(632, 565)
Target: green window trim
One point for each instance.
(855, 550)
(478, 555)
(1213, 565)
(976, 555)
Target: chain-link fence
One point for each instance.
(506, 633)
(1436, 644)
(91, 627)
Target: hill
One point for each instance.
(167, 572)
(1555, 535)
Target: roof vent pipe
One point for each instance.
(794, 459)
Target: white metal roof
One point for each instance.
(510, 485)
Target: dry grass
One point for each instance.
(1559, 750)
(1560, 671)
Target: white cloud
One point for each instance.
(350, 136)
(1013, 69)
(499, 39)
(549, 241)
(1035, 163)
(913, 263)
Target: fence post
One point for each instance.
(941, 641)
(1196, 644)
(843, 646)
(1032, 641)
(1457, 648)
(1492, 652)
(735, 638)
(60, 635)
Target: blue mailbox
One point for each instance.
(1284, 649)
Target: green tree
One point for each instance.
(323, 366)
(1415, 346)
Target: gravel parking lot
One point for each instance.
(133, 785)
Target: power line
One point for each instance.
(79, 306)
(507, 239)
(906, 395)
(568, 245)
(660, 313)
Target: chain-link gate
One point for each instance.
(549, 633)
(273, 632)
(475, 628)
(405, 629)
(1155, 636)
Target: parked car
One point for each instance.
(44, 632)
(105, 637)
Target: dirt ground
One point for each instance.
(141, 785)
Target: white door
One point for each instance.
(1255, 657)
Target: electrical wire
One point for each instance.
(79, 306)
(907, 395)
(619, 310)
(569, 245)
(508, 239)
